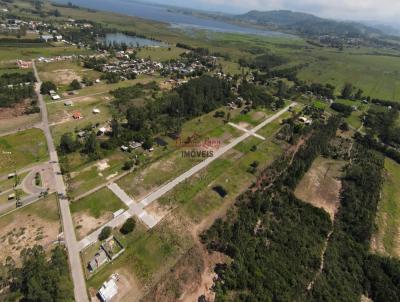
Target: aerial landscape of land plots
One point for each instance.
(174, 164)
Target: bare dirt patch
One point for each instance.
(244, 125)
(17, 110)
(24, 229)
(321, 185)
(61, 76)
(85, 223)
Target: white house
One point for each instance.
(55, 97)
(96, 111)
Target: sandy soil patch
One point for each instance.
(244, 125)
(258, 115)
(321, 185)
(24, 232)
(159, 211)
(86, 224)
(102, 165)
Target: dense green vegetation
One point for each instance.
(39, 278)
(274, 239)
(16, 87)
(349, 268)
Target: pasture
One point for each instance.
(22, 149)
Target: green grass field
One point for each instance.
(22, 149)
(388, 218)
(98, 203)
(376, 75)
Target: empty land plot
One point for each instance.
(37, 223)
(161, 54)
(87, 177)
(387, 237)
(63, 72)
(22, 149)
(93, 211)
(20, 122)
(321, 185)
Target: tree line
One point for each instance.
(274, 239)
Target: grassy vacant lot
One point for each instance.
(161, 54)
(15, 123)
(321, 185)
(387, 237)
(22, 149)
(35, 224)
(91, 212)
(63, 72)
(89, 175)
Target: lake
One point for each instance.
(120, 38)
(162, 14)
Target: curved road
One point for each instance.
(68, 226)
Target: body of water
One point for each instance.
(162, 14)
(120, 38)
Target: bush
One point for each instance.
(75, 85)
(128, 165)
(47, 86)
(105, 233)
(128, 226)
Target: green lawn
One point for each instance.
(388, 218)
(22, 149)
(98, 203)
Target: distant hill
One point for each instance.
(306, 24)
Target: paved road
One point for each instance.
(246, 130)
(68, 226)
(10, 207)
(47, 177)
(137, 209)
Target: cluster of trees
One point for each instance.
(15, 88)
(382, 122)
(350, 92)
(38, 278)
(89, 146)
(17, 78)
(47, 86)
(349, 268)
(344, 109)
(274, 239)
(168, 112)
(326, 90)
(264, 62)
(11, 96)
